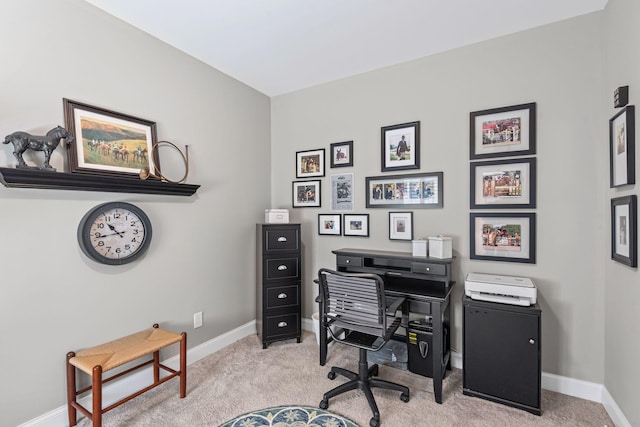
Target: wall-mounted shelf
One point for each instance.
(29, 178)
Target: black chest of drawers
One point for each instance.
(278, 282)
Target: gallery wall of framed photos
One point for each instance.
(502, 148)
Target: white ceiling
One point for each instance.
(279, 46)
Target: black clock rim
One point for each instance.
(85, 225)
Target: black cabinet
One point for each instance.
(278, 282)
(501, 353)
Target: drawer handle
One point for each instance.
(532, 341)
(282, 239)
(282, 296)
(282, 324)
(282, 267)
(347, 261)
(427, 268)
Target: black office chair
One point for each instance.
(355, 304)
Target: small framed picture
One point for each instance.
(341, 154)
(310, 163)
(330, 224)
(505, 131)
(400, 225)
(624, 230)
(356, 225)
(622, 147)
(306, 194)
(503, 237)
(502, 184)
(401, 147)
(342, 192)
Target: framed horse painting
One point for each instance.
(109, 143)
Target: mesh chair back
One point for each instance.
(354, 301)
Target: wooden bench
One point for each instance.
(97, 360)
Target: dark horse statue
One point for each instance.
(22, 141)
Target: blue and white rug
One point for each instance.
(290, 416)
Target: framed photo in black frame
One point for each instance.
(410, 191)
(400, 225)
(306, 194)
(622, 147)
(504, 131)
(330, 224)
(502, 184)
(341, 154)
(507, 237)
(356, 225)
(310, 163)
(624, 230)
(400, 146)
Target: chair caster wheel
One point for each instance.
(404, 397)
(374, 371)
(324, 404)
(331, 375)
(374, 422)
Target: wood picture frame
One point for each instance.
(509, 237)
(624, 230)
(401, 226)
(504, 131)
(503, 184)
(419, 190)
(306, 194)
(622, 148)
(355, 225)
(310, 163)
(400, 146)
(107, 142)
(330, 224)
(341, 154)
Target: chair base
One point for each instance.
(363, 381)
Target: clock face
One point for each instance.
(114, 233)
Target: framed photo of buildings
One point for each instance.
(502, 184)
(624, 230)
(505, 131)
(622, 147)
(507, 237)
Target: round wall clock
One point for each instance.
(114, 233)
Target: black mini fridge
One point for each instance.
(419, 348)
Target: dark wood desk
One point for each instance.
(424, 282)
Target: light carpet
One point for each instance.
(243, 377)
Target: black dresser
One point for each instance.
(501, 353)
(278, 282)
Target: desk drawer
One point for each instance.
(420, 307)
(429, 268)
(283, 296)
(282, 268)
(349, 261)
(286, 324)
(281, 239)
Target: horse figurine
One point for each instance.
(22, 141)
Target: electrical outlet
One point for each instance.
(197, 320)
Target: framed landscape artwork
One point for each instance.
(501, 184)
(503, 237)
(505, 131)
(108, 143)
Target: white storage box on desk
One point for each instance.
(440, 247)
(276, 216)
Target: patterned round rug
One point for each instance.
(290, 416)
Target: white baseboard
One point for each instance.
(115, 391)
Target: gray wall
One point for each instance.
(622, 285)
(52, 298)
(558, 67)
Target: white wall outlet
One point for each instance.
(197, 320)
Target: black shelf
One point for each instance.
(30, 178)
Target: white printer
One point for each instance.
(504, 289)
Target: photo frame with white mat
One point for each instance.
(622, 147)
(624, 230)
(401, 226)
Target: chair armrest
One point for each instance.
(396, 304)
